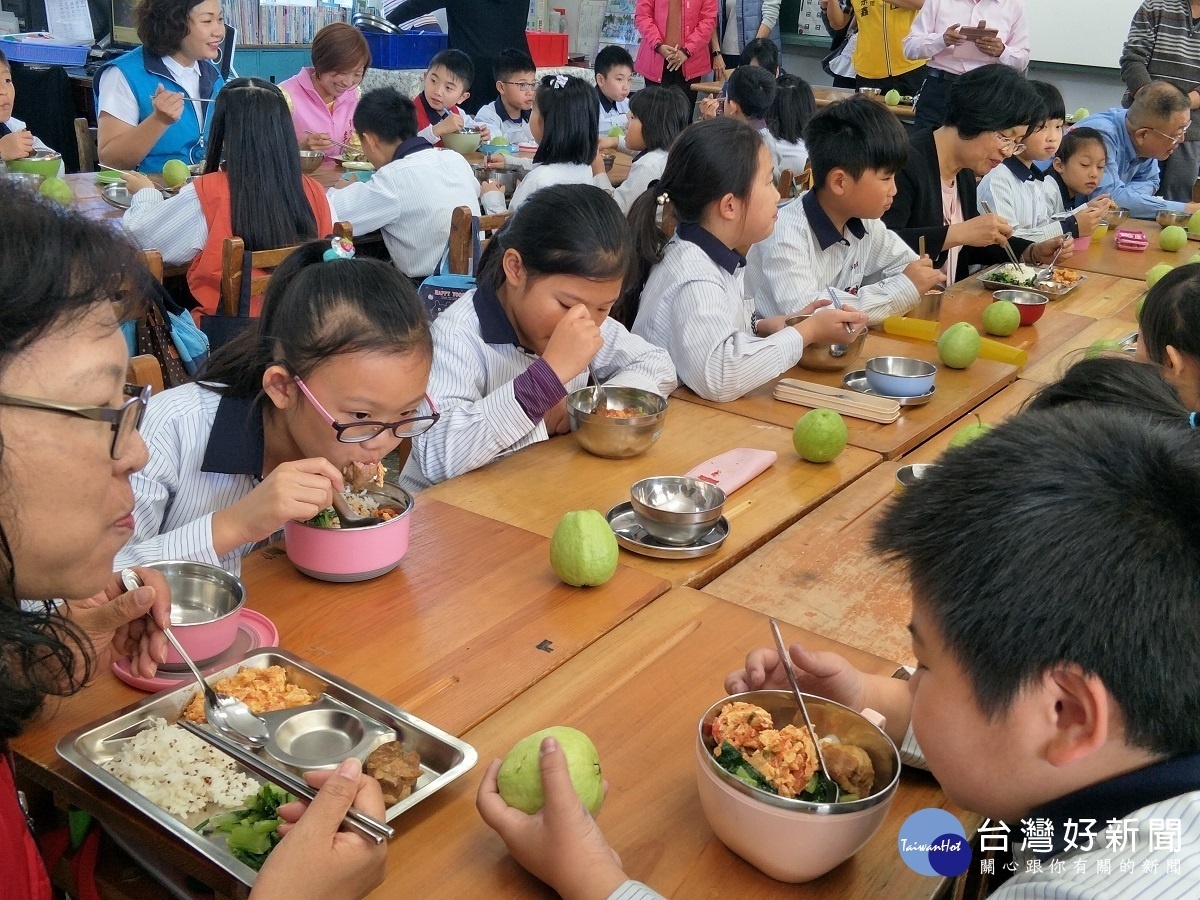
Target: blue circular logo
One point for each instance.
(933, 842)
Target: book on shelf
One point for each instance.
(268, 23)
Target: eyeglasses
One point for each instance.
(1176, 140)
(1009, 145)
(124, 419)
(357, 432)
(523, 85)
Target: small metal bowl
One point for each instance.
(907, 476)
(322, 735)
(610, 436)
(829, 357)
(506, 178)
(1166, 218)
(24, 179)
(900, 376)
(1029, 305)
(41, 162)
(676, 509)
(1115, 217)
(310, 161)
(205, 601)
(870, 91)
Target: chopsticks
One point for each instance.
(1007, 246)
(837, 304)
(368, 827)
(331, 140)
(841, 400)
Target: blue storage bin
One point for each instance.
(40, 47)
(411, 50)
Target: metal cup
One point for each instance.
(928, 307)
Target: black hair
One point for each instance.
(663, 113)
(1156, 103)
(512, 62)
(610, 57)
(1114, 381)
(1088, 557)
(4, 60)
(1076, 139)
(316, 309)
(794, 105)
(387, 114)
(163, 24)
(994, 97)
(1171, 315)
(764, 52)
(707, 161)
(752, 89)
(456, 63)
(856, 134)
(570, 120)
(58, 267)
(1053, 106)
(252, 136)
(563, 229)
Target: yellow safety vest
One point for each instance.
(881, 32)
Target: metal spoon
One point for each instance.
(601, 397)
(1048, 272)
(348, 517)
(786, 660)
(228, 715)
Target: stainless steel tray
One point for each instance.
(634, 538)
(443, 756)
(1046, 288)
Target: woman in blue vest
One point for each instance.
(738, 23)
(142, 112)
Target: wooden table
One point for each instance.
(472, 617)
(638, 693)
(1051, 367)
(820, 574)
(533, 488)
(1103, 256)
(827, 95)
(958, 391)
(1102, 297)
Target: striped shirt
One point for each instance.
(789, 155)
(545, 174)
(613, 113)
(176, 227)
(493, 393)
(645, 169)
(206, 453)
(807, 254)
(634, 890)
(694, 306)
(495, 117)
(1018, 193)
(411, 199)
(1164, 44)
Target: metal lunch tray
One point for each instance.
(1042, 287)
(634, 538)
(444, 757)
(857, 381)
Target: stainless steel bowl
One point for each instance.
(907, 476)
(1018, 297)
(24, 179)
(1166, 218)
(200, 593)
(365, 21)
(900, 376)
(1116, 217)
(323, 734)
(506, 178)
(310, 161)
(676, 509)
(829, 357)
(870, 91)
(610, 436)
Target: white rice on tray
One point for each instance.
(180, 772)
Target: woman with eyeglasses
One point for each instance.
(69, 445)
(990, 111)
(333, 374)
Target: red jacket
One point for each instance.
(22, 872)
(699, 20)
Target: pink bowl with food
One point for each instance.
(354, 554)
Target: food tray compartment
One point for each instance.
(1040, 288)
(443, 756)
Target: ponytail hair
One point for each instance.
(707, 161)
(315, 309)
(570, 116)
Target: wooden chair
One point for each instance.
(85, 142)
(232, 252)
(145, 369)
(460, 236)
(791, 186)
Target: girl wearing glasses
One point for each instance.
(334, 374)
(67, 423)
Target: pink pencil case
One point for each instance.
(1128, 239)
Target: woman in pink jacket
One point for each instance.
(674, 48)
(322, 97)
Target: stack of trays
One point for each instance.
(840, 400)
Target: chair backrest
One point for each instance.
(461, 251)
(154, 262)
(790, 185)
(232, 252)
(144, 369)
(85, 143)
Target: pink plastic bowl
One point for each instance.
(353, 554)
(792, 840)
(205, 602)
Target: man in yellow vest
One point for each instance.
(879, 59)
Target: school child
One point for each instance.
(15, 141)
(762, 53)
(447, 84)
(751, 92)
(1114, 380)
(252, 155)
(1170, 330)
(793, 106)
(689, 297)
(322, 97)
(1015, 189)
(331, 375)
(563, 123)
(508, 353)
(1024, 713)
(508, 115)
(415, 189)
(614, 73)
(656, 116)
(833, 236)
(1076, 170)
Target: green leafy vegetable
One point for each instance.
(731, 760)
(253, 831)
(324, 519)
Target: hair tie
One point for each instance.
(339, 248)
(662, 198)
(1192, 420)
(560, 80)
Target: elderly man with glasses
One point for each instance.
(1138, 140)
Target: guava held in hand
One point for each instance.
(820, 436)
(583, 551)
(520, 777)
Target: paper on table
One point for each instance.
(70, 20)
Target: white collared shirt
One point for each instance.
(116, 96)
(618, 116)
(495, 117)
(644, 170)
(1024, 201)
(545, 174)
(926, 39)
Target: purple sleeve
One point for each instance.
(537, 389)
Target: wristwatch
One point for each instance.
(714, 54)
(686, 52)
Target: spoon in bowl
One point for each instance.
(601, 403)
(348, 517)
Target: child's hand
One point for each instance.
(487, 186)
(952, 37)
(136, 181)
(452, 123)
(608, 143)
(485, 133)
(819, 672)
(1089, 217)
(710, 108)
(168, 106)
(560, 844)
(828, 325)
(575, 342)
(598, 163)
(556, 420)
(17, 145)
(985, 230)
(294, 490)
(923, 275)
